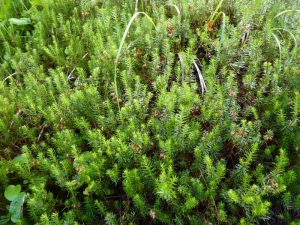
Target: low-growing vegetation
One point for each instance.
(149, 112)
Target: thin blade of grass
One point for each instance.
(201, 79)
(279, 46)
(121, 45)
(136, 5)
(293, 36)
(179, 15)
(177, 9)
(215, 12)
(9, 76)
(285, 11)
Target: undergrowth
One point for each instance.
(150, 112)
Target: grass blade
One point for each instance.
(136, 5)
(217, 8)
(279, 46)
(179, 15)
(285, 11)
(121, 45)
(9, 76)
(201, 79)
(293, 36)
(177, 9)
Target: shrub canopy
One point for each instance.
(150, 112)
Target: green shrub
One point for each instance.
(106, 118)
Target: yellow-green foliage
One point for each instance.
(186, 113)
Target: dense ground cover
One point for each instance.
(149, 112)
